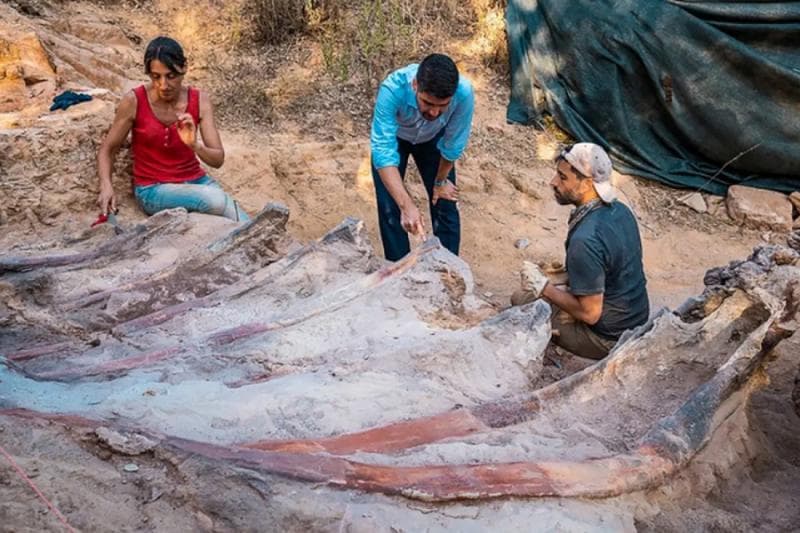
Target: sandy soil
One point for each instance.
(505, 197)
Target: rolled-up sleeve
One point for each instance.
(456, 133)
(383, 138)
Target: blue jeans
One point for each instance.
(203, 195)
(444, 215)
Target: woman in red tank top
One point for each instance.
(163, 118)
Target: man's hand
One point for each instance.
(533, 279)
(187, 130)
(411, 221)
(448, 191)
(107, 200)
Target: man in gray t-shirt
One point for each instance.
(607, 292)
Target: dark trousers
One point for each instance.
(444, 215)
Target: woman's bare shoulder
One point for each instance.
(128, 99)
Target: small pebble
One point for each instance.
(204, 521)
(130, 467)
(521, 244)
(104, 454)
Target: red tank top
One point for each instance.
(159, 155)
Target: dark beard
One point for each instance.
(561, 199)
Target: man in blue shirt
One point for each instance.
(607, 291)
(424, 111)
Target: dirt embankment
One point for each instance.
(311, 150)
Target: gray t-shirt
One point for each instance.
(604, 255)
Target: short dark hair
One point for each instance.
(437, 76)
(166, 50)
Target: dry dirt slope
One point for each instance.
(313, 155)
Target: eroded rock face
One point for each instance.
(80, 51)
(26, 74)
(49, 168)
(49, 158)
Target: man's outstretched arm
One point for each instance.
(386, 158)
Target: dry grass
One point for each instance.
(240, 93)
(489, 42)
(273, 21)
(376, 36)
(362, 40)
(237, 48)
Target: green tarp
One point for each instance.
(700, 95)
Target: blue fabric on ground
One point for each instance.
(69, 98)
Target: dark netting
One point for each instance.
(693, 94)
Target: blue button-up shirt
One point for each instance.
(397, 116)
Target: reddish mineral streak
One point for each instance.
(111, 367)
(371, 282)
(32, 353)
(602, 477)
(223, 337)
(386, 439)
(65, 419)
(669, 445)
(246, 284)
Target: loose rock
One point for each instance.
(132, 444)
(695, 201)
(759, 209)
(795, 199)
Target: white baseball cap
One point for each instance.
(593, 162)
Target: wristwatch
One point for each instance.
(440, 183)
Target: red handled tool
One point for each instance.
(111, 218)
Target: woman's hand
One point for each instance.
(187, 130)
(107, 200)
(123, 122)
